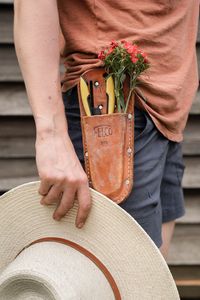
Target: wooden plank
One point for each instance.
(198, 56)
(9, 183)
(11, 167)
(10, 70)
(191, 142)
(15, 168)
(184, 275)
(189, 292)
(6, 1)
(195, 109)
(185, 246)
(17, 147)
(191, 178)
(17, 127)
(16, 171)
(198, 35)
(189, 282)
(192, 207)
(6, 24)
(13, 100)
(9, 66)
(17, 137)
(183, 272)
(25, 128)
(6, 28)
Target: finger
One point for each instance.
(45, 186)
(85, 203)
(54, 195)
(66, 203)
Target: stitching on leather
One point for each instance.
(130, 139)
(129, 131)
(126, 188)
(86, 158)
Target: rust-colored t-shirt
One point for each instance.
(165, 29)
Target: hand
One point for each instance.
(62, 176)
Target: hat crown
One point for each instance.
(50, 271)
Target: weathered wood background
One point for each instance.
(17, 157)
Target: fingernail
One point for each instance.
(80, 225)
(57, 218)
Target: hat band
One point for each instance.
(87, 253)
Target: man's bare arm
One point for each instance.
(36, 33)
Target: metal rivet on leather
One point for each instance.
(127, 181)
(96, 83)
(129, 150)
(129, 116)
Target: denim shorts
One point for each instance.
(157, 195)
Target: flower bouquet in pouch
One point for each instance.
(106, 98)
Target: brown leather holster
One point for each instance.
(108, 142)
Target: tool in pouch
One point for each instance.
(108, 136)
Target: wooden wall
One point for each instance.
(17, 157)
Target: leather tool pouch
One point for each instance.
(108, 141)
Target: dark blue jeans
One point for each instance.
(157, 195)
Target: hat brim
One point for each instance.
(110, 234)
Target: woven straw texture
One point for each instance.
(109, 233)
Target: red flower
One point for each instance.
(144, 55)
(134, 59)
(101, 55)
(114, 44)
(127, 45)
(131, 48)
(110, 50)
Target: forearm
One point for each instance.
(36, 33)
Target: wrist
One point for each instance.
(47, 127)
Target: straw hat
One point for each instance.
(110, 258)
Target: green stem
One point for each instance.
(128, 99)
(117, 93)
(132, 86)
(118, 101)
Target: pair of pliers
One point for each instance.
(85, 96)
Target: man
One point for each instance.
(166, 30)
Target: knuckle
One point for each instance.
(49, 200)
(72, 180)
(83, 179)
(45, 174)
(52, 177)
(60, 178)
